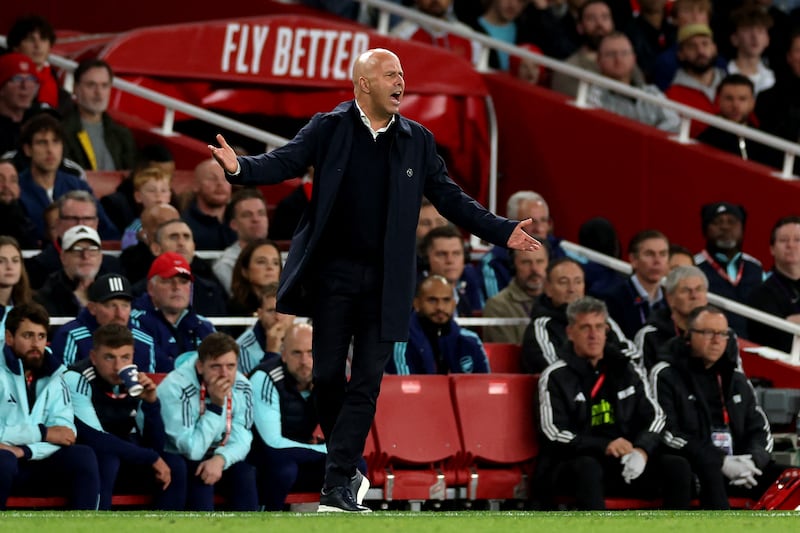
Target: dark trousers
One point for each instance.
(237, 484)
(279, 470)
(347, 306)
(707, 466)
(128, 478)
(71, 472)
(590, 479)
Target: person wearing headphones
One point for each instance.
(712, 415)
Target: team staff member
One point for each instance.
(601, 429)
(37, 432)
(713, 416)
(125, 431)
(372, 167)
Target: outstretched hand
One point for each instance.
(521, 239)
(224, 155)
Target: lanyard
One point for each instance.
(597, 384)
(721, 271)
(228, 412)
(725, 417)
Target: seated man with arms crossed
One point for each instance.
(37, 433)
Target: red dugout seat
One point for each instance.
(503, 357)
(415, 430)
(496, 418)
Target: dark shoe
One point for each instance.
(339, 500)
(359, 485)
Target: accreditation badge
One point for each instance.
(721, 439)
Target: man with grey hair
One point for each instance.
(65, 293)
(600, 427)
(75, 208)
(496, 265)
(685, 288)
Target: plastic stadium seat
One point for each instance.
(496, 419)
(503, 357)
(415, 430)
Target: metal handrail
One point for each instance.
(715, 299)
(586, 78)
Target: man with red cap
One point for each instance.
(165, 311)
(18, 87)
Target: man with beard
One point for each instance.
(38, 453)
(547, 332)
(779, 295)
(65, 292)
(594, 23)
(206, 214)
(286, 452)
(736, 98)
(730, 272)
(517, 299)
(695, 84)
(436, 344)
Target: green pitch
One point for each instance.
(404, 522)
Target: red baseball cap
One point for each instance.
(169, 265)
(13, 64)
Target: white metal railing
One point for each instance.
(715, 299)
(586, 79)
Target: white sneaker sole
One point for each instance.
(329, 509)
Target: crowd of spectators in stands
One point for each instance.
(149, 306)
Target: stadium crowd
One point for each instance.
(641, 389)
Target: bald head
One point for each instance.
(212, 191)
(378, 85)
(297, 354)
(156, 215)
(367, 62)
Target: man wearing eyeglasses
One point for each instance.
(713, 417)
(18, 88)
(65, 292)
(75, 208)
